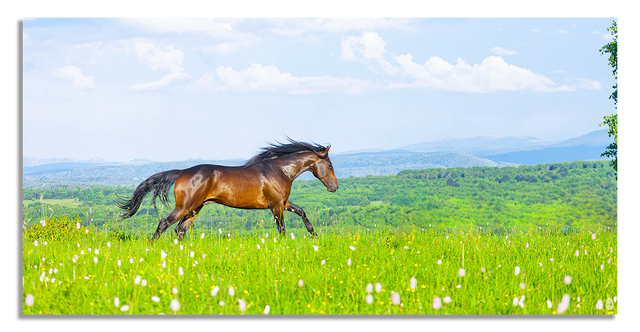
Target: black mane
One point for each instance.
(280, 149)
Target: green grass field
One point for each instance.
(66, 202)
(82, 272)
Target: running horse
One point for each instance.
(264, 182)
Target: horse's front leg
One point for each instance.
(299, 211)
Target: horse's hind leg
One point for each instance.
(278, 216)
(188, 220)
(167, 221)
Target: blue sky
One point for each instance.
(174, 89)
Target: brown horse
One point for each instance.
(264, 182)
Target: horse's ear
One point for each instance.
(325, 152)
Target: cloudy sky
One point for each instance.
(174, 89)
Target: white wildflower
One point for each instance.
(137, 280)
(155, 299)
(175, 305)
(29, 300)
(437, 303)
(567, 280)
(232, 292)
(369, 299)
(369, 288)
(395, 298)
(413, 283)
(446, 299)
(180, 270)
(300, 283)
(124, 308)
(349, 261)
(564, 304)
(163, 254)
(116, 302)
(517, 271)
(461, 273)
(267, 308)
(599, 305)
(352, 248)
(378, 287)
(242, 305)
(215, 290)
(174, 291)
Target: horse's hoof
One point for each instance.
(314, 236)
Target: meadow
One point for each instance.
(72, 269)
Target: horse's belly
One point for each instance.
(244, 200)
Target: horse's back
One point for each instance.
(234, 186)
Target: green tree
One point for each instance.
(612, 120)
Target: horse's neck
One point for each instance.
(294, 165)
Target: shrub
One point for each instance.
(120, 235)
(54, 229)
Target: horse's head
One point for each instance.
(323, 170)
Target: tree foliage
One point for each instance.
(612, 120)
(562, 194)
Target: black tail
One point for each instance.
(160, 183)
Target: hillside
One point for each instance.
(130, 174)
(361, 164)
(567, 194)
(392, 162)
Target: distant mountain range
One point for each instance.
(463, 152)
(30, 161)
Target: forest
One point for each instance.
(573, 194)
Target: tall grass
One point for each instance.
(266, 272)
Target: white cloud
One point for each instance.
(217, 28)
(212, 27)
(160, 58)
(74, 74)
(348, 45)
(254, 78)
(607, 36)
(269, 78)
(559, 71)
(337, 25)
(501, 51)
(370, 47)
(294, 31)
(229, 47)
(155, 85)
(373, 45)
(492, 74)
(562, 31)
(583, 83)
(535, 30)
(207, 82)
